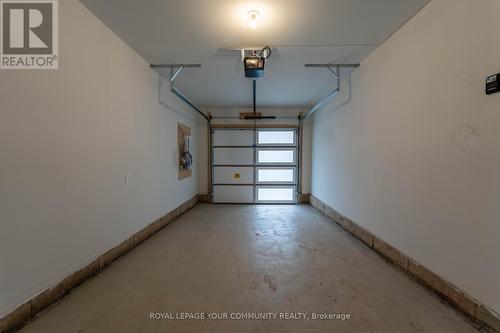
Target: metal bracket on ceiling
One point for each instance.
(175, 70)
(335, 70)
(174, 75)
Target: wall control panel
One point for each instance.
(493, 84)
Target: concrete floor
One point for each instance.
(234, 259)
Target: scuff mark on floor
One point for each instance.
(269, 279)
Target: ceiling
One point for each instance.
(302, 31)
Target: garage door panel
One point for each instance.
(276, 156)
(264, 172)
(283, 175)
(276, 194)
(233, 138)
(233, 194)
(233, 156)
(276, 138)
(233, 175)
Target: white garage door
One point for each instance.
(254, 166)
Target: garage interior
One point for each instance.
(253, 166)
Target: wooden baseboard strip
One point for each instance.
(305, 198)
(205, 198)
(477, 312)
(27, 311)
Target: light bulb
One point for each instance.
(253, 16)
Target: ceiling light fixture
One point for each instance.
(253, 16)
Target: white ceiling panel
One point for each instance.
(303, 31)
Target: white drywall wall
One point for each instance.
(413, 155)
(67, 139)
(286, 116)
